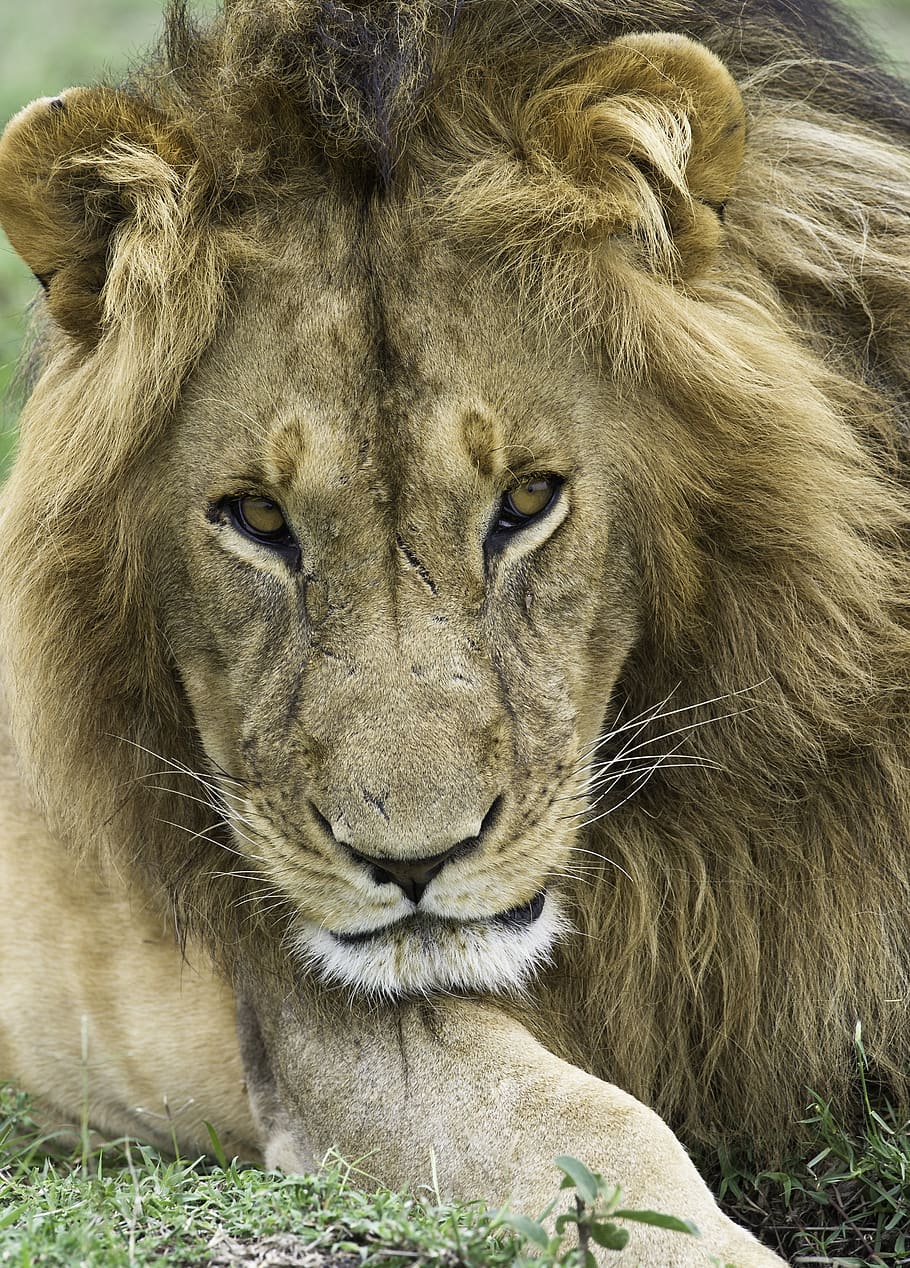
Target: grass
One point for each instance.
(848, 1204)
(126, 1206)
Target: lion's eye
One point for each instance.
(526, 502)
(531, 498)
(262, 520)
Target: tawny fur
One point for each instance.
(733, 925)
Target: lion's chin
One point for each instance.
(422, 954)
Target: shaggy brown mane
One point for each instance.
(737, 927)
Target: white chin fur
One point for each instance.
(417, 959)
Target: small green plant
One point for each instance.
(596, 1207)
(849, 1203)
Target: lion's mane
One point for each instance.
(735, 927)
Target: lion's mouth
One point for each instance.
(519, 917)
(423, 952)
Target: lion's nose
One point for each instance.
(412, 876)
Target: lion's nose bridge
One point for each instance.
(410, 773)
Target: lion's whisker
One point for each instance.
(626, 772)
(201, 835)
(177, 767)
(695, 759)
(601, 858)
(637, 788)
(694, 726)
(602, 779)
(270, 900)
(227, 812)
(644, 775)
(649, 714)
(621, 767)
(238, 875)
(209, 785)
(654, 716)
(625, 764)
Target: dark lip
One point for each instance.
(356, 939)
(519, 917)
(523, 915)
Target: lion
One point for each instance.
(454, 592)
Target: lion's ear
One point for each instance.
(652, 127)
(73, 168)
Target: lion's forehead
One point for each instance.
(398, 378)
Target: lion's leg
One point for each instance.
(100, 1018)
(465, 1082)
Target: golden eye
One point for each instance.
(261, 518)
(531, 498)
(263, 521)
(524, 503)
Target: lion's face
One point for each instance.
(390, 661)
(390, 547)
